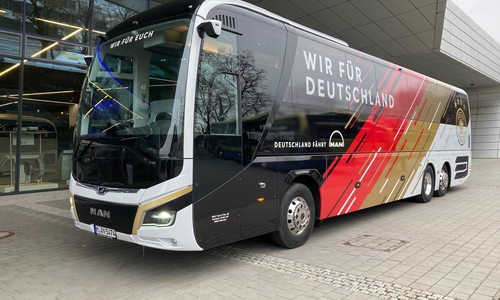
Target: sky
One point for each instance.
(486, 13)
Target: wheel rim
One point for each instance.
(443, 185)
(298, 215)
(427, 184)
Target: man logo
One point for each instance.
(336, 135)
(100, 213)
(101, 190)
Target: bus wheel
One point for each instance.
(296, 217)
(444, 180)
(427, 185)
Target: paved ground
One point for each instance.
(446, 249)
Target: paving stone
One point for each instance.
(451, 251)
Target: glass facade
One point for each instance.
(43, 45)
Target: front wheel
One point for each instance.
(296, 217)
(444, 180)
(427, 185)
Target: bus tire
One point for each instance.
(296, 217)
(444, 181)
(427, 185)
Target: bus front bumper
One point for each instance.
(178, 237)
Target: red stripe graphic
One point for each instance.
(347, 184)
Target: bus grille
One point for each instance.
(461, 168)
(227, 21)
(110, 215)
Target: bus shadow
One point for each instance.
(341, 225)
(175, 265)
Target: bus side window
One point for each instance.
(261, 54)
(216, 84)
(224, 105)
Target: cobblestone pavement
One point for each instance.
(446, 249)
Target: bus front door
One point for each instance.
(217, 162)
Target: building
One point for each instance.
(44, 44)
(433, 37)
(42, 66)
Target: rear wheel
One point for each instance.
(444, 180)
(427, 185)
(296, 217)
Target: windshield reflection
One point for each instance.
(131, 114)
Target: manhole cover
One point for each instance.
(5, 234)
(376, 243)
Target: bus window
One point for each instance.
(261, 57)
(223, 97)
(216, 86)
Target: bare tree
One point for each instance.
(83, 19)
(254, 94)
(110, 15)
(216, 94)
(40, 11)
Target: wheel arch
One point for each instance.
(312, 180)
(448, 164)
(435, 166)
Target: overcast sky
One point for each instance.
(486, 13)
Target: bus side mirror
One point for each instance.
(213, 28)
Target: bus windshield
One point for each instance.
(130, 118)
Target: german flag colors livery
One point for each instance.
(207, 124)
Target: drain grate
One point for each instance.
(5, 234)
(376, 243)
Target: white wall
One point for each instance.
(485, 116)
(467, 43)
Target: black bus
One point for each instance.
(202, 123)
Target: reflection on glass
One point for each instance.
(8, 86)
(217, 89)
(224, 106)
(107, 14)
(38, 147)
(130, 119)
(11, 15)
(57, 51)
(49, 110)
(59, 32)
(10, 44)
(57, 19)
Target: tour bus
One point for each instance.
(162, 84)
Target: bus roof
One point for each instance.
(155, 15)
(207, 5)
(201, 8)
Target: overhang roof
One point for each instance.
(433, 37)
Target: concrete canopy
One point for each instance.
(433, 37)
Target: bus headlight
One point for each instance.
(159, 218)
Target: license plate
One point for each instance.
(105, 232)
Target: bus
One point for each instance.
(333, 130)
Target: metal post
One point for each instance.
(20, 100)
